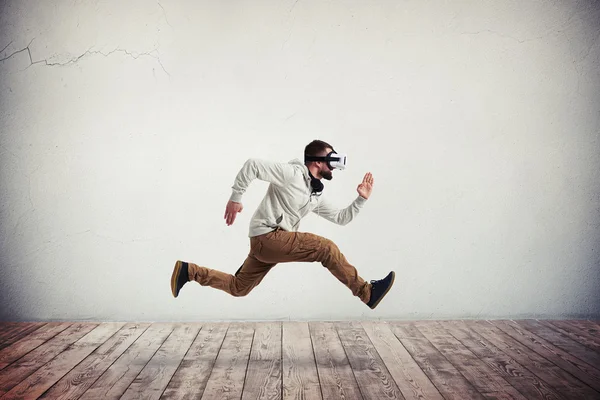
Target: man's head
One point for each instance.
(319, 169)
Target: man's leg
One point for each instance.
(281, 246)
(247, 277)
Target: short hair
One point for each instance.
(316, 148)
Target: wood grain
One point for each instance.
(226, 381)
(117, 378)
(565, 360)
(585, 328)
(560, 339)
(335, 373)
(516, 374)
(566, 332)
(191, 377)
(155, 376)
(263, 379)
(19, 370)
(46, 376)
(30, 342)
(81, 378)
(374, 380)
(564, 382)
(300, 377)
(410, 378)
(16, 331)
(548, 359)
(447, 379)
(481, 376)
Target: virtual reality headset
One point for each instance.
(333, 160)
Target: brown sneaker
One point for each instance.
(179, 278)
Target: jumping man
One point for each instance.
(295, 190)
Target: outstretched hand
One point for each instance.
(366, 187)
(231, 211)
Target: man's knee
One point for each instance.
(240, 290)
(328, 248)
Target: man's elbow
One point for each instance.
(250, 162)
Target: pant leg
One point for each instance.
(247, 277)
(281, 246)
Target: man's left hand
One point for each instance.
(366, 187)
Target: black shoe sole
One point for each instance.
(175, 278)
(386, 291)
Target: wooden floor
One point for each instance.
(525, 359)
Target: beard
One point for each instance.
(327, 175)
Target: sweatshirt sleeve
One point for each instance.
(339, 216)
(273, 172)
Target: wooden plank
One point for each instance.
(554, 376)
(192, 375)
(263, 377)
(448, 380)
(30, 342)
(17, 331)
(563, 359)
(79, 379)
(335, 373)
(514, 373)
(154, 378)
(373, 378)
(9, 329)
(481, 376)
(586, 328)
(117, 378)
(498, 396)
(567, 331)
(12, 375)
(563, 341)
(300, 377)
(410, 378)
(6, 325)
(41, 380)
(406, 330)
(227, 378)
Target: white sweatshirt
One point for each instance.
(289, 197)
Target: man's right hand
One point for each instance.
(231, 211)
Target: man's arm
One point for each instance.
(344, 216)
(273, 172)
(339, 216)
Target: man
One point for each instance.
(294, 191)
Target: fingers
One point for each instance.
(368, 179)
(230, 218)
(231, 211)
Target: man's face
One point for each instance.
(325, 171)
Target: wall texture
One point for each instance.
(123, 125)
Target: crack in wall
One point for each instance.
(294, 6)
(164, 14)
(555, 30)
(74, 60)
(5, 47)
(291, 24)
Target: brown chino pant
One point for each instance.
(281, 246)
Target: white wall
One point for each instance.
(123, 125)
